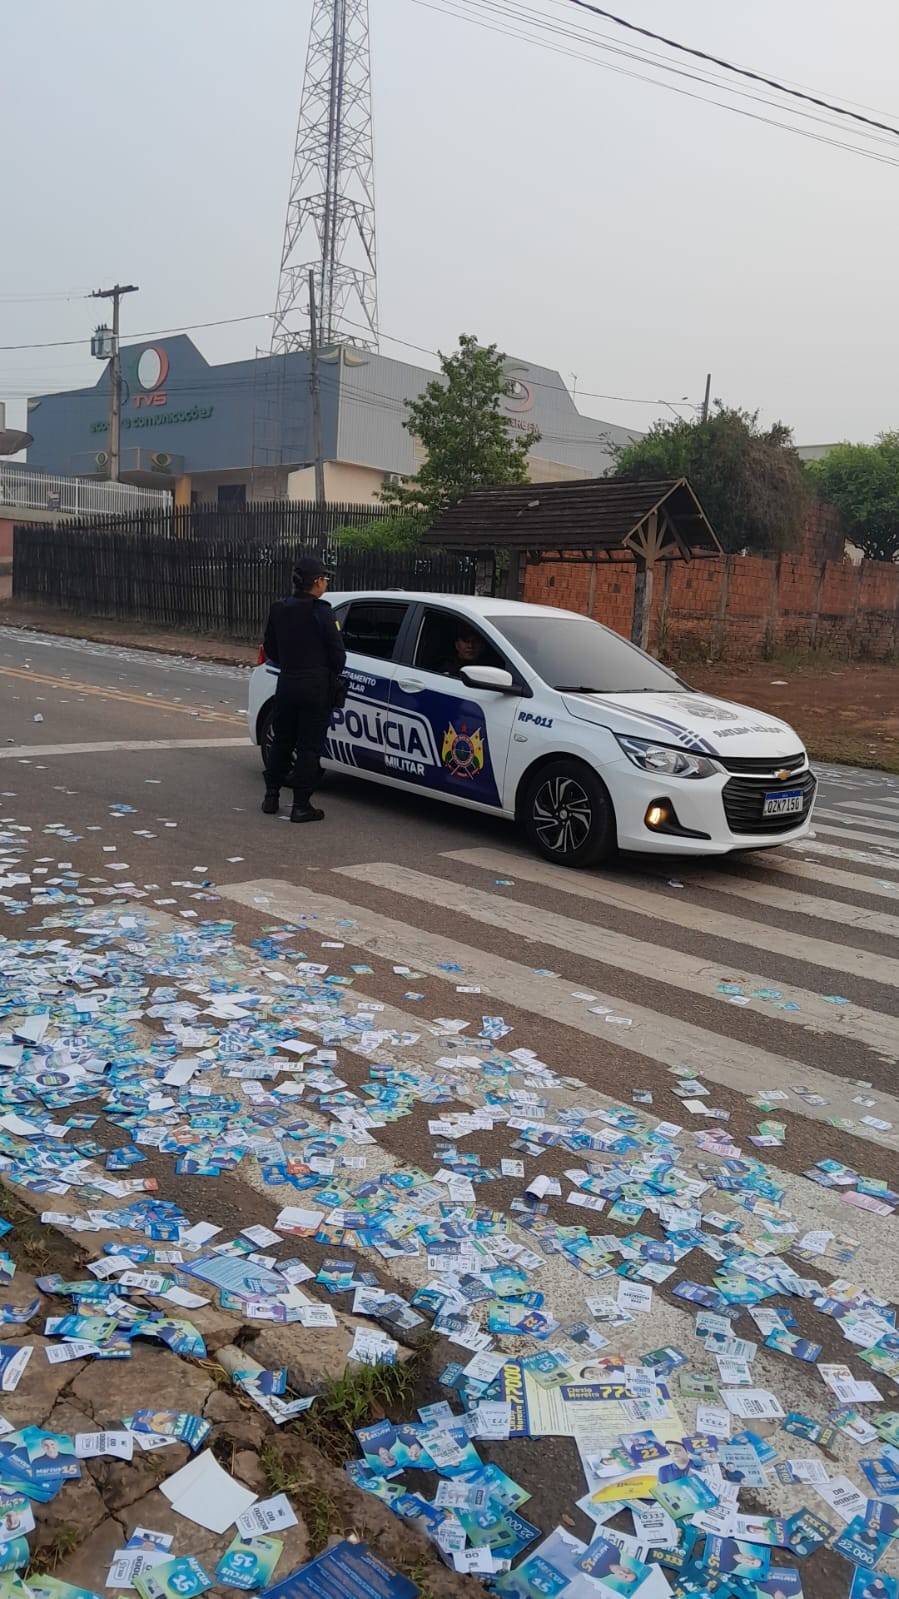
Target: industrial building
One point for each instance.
(242, 431)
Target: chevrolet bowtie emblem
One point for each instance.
(783, 774)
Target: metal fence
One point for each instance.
(27, 490)
(296, 522)
(205, 585)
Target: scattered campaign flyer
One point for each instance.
(13, 1360)
(249, 1563)
(188, 1429)
(588, 1405)
(183, 1578)
(348, 1571)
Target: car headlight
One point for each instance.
(664, 760)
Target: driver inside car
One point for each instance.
(468, 650)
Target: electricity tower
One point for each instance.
(330, 226)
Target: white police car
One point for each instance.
(559, 724)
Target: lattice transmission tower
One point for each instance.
(330, 226)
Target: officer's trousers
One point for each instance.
(300, 724)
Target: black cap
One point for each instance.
(307, 569)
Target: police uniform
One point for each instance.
(303, 639)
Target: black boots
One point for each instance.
(304, 811)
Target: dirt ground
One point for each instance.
(844, 711)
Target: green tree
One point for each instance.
(862, 481)
(468, 442)
(749, 479)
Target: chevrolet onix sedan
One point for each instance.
(555, 722)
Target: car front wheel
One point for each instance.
(567, 814)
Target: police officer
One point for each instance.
(303, 639)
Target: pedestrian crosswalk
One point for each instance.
(884, 856)
(703, 976)
(762, 974)
(787, 866)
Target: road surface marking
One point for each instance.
(699, 918)
(652, 961)
(653, 1034)
(565, 1288)
(113, 747)
(876, 823)
(871, 835)
(885, 862)
(888, 808)
(146, 700)
(856, 882)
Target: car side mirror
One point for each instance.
(491, 677)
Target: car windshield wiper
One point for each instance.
(576, 688)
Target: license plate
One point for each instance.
(783, 804)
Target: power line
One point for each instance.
(154, 333)
(558, 49)
(530, 17)
(730, 66)
(33, 299)
(861, 105)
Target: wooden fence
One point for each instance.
(204, 585)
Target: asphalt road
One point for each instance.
(775, 972)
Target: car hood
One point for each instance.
(691, 721)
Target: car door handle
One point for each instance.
(410, 685)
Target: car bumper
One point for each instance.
(699, 818)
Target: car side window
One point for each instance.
(436, 651)
(371, 627)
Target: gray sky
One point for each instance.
(577, 217)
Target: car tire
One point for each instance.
(265, 733)
(567, 814)
(265, 739)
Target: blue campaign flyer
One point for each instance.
(348, 1571)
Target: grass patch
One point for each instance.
(363, 1394)
(420, 1575)
(317, 1506)
(46, 1559)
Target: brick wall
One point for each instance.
(742, 607)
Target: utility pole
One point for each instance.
(316, 407)
(115, 374)
(708, 394)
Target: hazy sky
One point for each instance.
(577, 217)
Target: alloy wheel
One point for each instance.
(562, 815)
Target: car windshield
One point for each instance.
(573, 653)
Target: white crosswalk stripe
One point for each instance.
(657, 963)
(875, 823)
(885, 858)
(888, 808)
(651, 1034)
(855, 835)
(665, 907)
(855, 882)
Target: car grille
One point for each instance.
(763, 766)
(745, 796)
